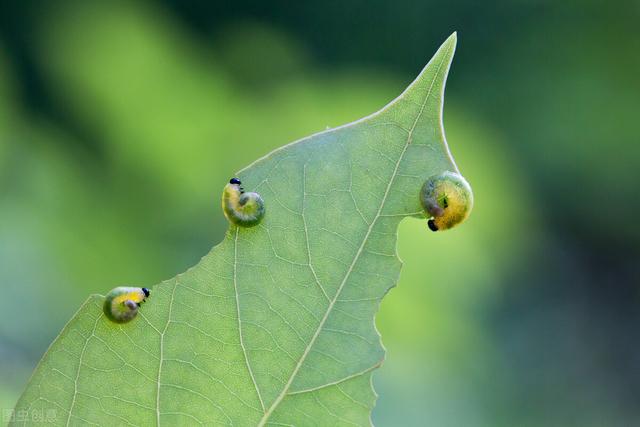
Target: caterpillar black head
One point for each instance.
(240, 208)
(447, 200)
(121, 304)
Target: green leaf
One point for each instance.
(276, 324)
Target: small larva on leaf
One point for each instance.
(240, 208)
(447, 200)
(121, 304)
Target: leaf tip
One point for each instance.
(451, 41)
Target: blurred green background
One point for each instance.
(120, 122)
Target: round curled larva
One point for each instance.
(447, 200)
(240, 208)
(121, 304)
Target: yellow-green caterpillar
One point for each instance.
(447, 199)
(121, 304)
(240, 208)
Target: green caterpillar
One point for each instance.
(121, 304)
(240, 208)
(447, 199)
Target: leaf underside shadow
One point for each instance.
(275, 326)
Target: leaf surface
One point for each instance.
(275, 326)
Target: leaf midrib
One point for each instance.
(285, 390)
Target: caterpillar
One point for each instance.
(122, 303)
(240, 208)
(447, 200)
